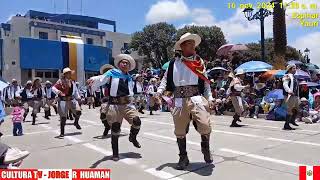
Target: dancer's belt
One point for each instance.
(65, 98)
(36, 99)
(119, 100)
(186, 91)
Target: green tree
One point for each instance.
(255, 49)
(212, 38)
(155, 42)
(279, 34)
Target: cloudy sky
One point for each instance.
(133, 15)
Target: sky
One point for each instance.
(133, 15)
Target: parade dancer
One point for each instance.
(120, 105)
(153, 100)
(68, 94)
(291, 92)
(26, 98)
(104, 102)
(235, 93)
(186, 77)
(90, 98)
(49, 100)
(138, 93)
(14, 88)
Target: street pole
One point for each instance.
(263, 52)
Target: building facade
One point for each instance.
(31, 46)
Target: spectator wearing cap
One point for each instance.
(68, 95)
(291, 92)
(303, 90)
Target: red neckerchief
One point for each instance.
(196, 66)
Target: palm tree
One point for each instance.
(279, 34)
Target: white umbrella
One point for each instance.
(225, 49)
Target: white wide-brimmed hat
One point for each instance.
(66, 70)
(105, 67)
(48, 82)
(186, 37)
(290, 66)
(304, 99)
(240, 71)
(127, 57)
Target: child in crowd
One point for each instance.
(304, 109)
(17, 118)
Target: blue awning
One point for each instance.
(40, 54)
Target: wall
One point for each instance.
(52, 34)
(19, 28)
(97, 40)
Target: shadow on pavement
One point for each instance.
(42, 123)
(108, 136)
(131, 155)
(199, 168)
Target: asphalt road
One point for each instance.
(258, 151)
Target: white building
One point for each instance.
(30, 45)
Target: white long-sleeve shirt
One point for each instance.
(183, 76)
(114, 89)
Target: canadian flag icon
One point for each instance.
(309, 173)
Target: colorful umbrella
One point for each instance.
(275, 94)
(312, 84)
(311, 66)
(254, 66)
(299, 74)
(269, 74)
(296, 62)
(3, 84)
(166, 65)
(225, 49)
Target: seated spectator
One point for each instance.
(304, 109)
(219, 108)
(278, 111)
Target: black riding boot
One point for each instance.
(55, 109)
(33, 119)
(70, 115)
(133, 137)
(106, 128)
(62, 125)
(234, 123)
(205, 148)
(115, 147)
(287, 123)
(293, 119)
(183, 160)
(46, 114)
(76, 122)
(141, 110)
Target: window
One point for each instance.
(126, 45)
(39, 74)
(55, 74)
(89, 41)
(29, 73)
(109, 44)
(43, 35)
(48, 74)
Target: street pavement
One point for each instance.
(258, 151)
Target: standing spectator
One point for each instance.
(17, 118)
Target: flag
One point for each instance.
(309, 173)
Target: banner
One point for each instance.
(57, 174)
